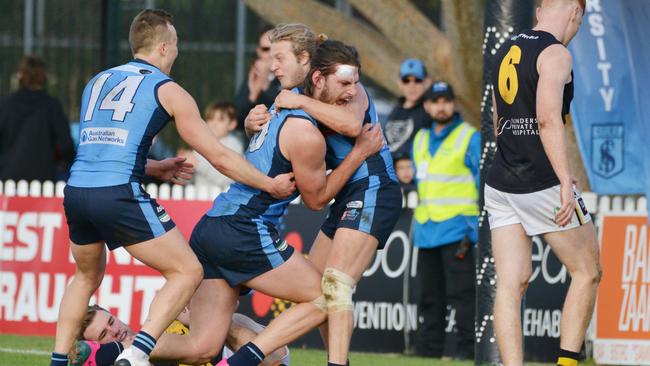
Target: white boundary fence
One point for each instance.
(163, 191)
(22, 188)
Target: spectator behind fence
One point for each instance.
(446, 160)
(34, 131)
(405, 172)
(262, 86)
(222, 120)
(406, 119)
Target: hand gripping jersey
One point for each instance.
(520, 164)
(120, 115)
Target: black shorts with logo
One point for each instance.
(237, 249)
(118, 215)
(371, 205)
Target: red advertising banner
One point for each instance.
(36, 265)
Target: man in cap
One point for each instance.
(408, 117)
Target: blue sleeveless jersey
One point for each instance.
(120, 115)
(265, 155)
(339, 146)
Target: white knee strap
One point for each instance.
(337, 288)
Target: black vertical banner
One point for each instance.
(502, 19)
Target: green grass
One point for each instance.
(299, 357)
(10, 344)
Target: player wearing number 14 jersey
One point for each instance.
(122, 110)
(529, 188)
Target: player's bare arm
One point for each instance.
(345, 119)
(182, 107)
(554, 67)
(305, 147)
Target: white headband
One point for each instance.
(345, 70)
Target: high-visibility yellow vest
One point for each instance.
(446, 186)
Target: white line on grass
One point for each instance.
(25, 351)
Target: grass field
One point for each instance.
(31, 351)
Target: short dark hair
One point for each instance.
(146, 27)
(90, 315)
(32, 72)
(327, 56)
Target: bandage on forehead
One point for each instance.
(337, 289)
(345, 70)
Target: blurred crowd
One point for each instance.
(435, 153)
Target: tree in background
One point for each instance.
(396, 30)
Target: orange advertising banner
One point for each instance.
(623, 306)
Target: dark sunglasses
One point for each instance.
(408, 80)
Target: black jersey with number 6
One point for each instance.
(520, 164)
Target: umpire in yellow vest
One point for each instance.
(446, 159)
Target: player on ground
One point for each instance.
(102, 337)
(367, 208)
(529, 188)
(237, 241)
(122, 110)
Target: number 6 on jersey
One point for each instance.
(508, 81)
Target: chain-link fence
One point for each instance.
(78, 38)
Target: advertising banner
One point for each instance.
(610, 109)
(542, 305)
(623, 306)
(36, 266)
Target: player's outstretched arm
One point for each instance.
(344, 119)
(305, 147)
(554, 67)
(182, 107)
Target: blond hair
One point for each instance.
(301, 37)
(149, 26)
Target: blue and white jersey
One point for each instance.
(120, 115)
(339, 146)
(264, 154)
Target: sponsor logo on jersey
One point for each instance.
(103, 135)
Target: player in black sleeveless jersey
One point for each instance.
(529, 188)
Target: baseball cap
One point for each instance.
(412, 67)
(440, 89)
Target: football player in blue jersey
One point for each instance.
(122, 109)
(238, 243)
(365, 211)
